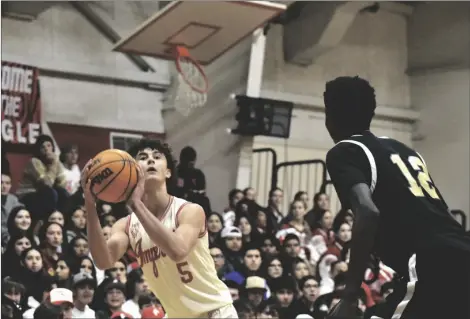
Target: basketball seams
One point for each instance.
(124, 193)
(124, 161)
(101, 165)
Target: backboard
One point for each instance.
(207, 29)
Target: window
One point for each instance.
(122, 141)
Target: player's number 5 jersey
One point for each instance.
(187, 289)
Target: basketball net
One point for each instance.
(189, 86)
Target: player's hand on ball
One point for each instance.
(85, 183)
(344, 309)
(138, 192)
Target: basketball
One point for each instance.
(113, 175)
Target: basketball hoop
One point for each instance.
(190, 87)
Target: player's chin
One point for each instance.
(153, 179)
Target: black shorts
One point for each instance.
(443, 286)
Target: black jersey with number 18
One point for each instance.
(413, 214)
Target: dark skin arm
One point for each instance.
(364, 229)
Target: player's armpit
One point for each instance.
(191, 221)
(362, 239)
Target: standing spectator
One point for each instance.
(191, 181)
(69, 159)
(83, 290)
(42, 187)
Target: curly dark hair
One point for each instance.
(163, 148)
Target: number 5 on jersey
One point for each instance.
(424, 180)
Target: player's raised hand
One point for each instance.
(138, 192)
(85, 183)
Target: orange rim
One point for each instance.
(182, 52)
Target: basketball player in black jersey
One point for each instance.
(397, 207)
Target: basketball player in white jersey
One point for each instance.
(169, 237)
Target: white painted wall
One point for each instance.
(444, 100)
(62, 40)
(439, 55)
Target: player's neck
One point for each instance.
(156, 200)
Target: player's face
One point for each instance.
(154, 165)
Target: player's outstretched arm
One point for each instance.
(177, 244)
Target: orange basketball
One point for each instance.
(113, 175)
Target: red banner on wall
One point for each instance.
(21, 104)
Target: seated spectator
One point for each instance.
(58, 305)
(249, 193)
(273, 270)
(247, 228)
(342, 236)
(42, 187)
(77, 223)
(232, 246)
(136, 287)
(115, 296)
(9, 201)
(322, 236)
(69, 159)
(83, 288)
(234, 196)
(274, 207)
(51, 239)
(296, 220)
(215, 224)
(255, 291)
(221, 266)
(64, 273)
(321, 202)
(284, 292)
(305, 305)
(270, 245)
(33, 277)
(19, 221)
(302, 196)
(56, 217)
(11, 258)
(12, 293)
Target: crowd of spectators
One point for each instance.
(277, 264)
